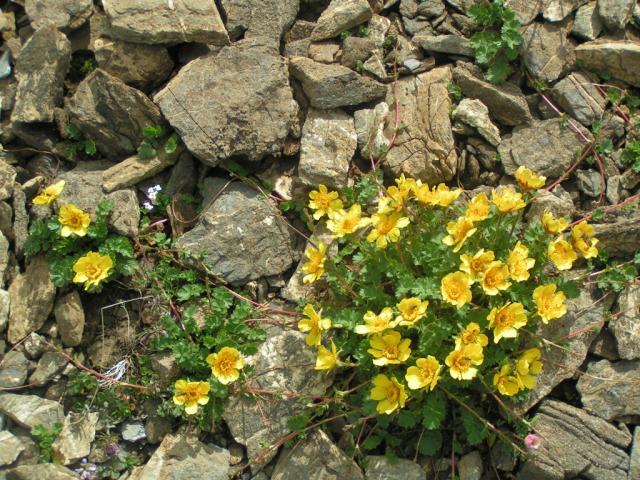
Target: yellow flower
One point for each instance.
(314, 324)
(389, 393)
(406, 185)
(455, 288)
(377, 323)
(528, 180)
(191, 394)
(91, 269)
(583, 240)
(324, 202)
(386, 228)
(327, 359)
(552, 224)
(411, 310)
(506, 384)
(561, 253)
(459, 231)
(226, 364)
(389, 349)
(423, 193)
(495, 278)
(396, 198)
(73, 220)
(507, 200)
(440, 195)
(49, 194)
(519, 263)
(461, 361)
(476, 266)
(549, 303)
(345, 222)
(314, 268)
(528, 366)
(471, 335)
(506, 320)
(425, 374)
(478, 208)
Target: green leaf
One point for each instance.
(499, 71)
(73, 132)
(189, 291)
(153, 132)
(61, 271)
(406, 419)
(298, 422)
(372, 442)
(475, 430)
(146, 150)
(430, 443)
(90, 147)
(434, 410)
(172, 143)
(570, 288)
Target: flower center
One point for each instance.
(323, 202)
(463, 362)
(225, 365)
(191, 394)
(503, 319)
(379, 324)
(392, 393)
(74, 221)
(392, 352)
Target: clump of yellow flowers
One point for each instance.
(435, 294)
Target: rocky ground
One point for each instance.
(282, 96)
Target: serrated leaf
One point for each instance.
(73, 132)
(406, 419)
(372, 442)
(61, 271)
(146, 151)
(475, 430)
(434, 410)
(430, 443)
(153, 131)
(90, 147)
(171, 144)
(498, 71)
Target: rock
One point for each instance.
(242, 235)
(356, 49)
(7, 180)
(20, 220)
(475, 114)
(526, 10)
(589, 182)
(186, 458)
(620, 58)
(4, 310)
(165, 367)
(70, 318)
(64, 14)
(610, 390)
(625, 326)
(184, 176)
(283, 362)
(425, 148)
(48, 471)
(324, 52)
(634, 463)
(35, 345)
(157, 21)
(379, 468)
(605, 346)
(620, 238)
(133, 431)
(156, 428)
(577, 95)
(333, 86)
(369, 124)
(14, 368)
(545, 51)
(4, 263)
(31, 410)
(449, 44)
(49, 365)
(74, 441)
(574, 441)
(558, 202)
(557, 10)
(260, 18)
(470, 466)
(40, 70)
(547, 147)
(31, 297)
(615, 13)
(316, 457)
(138, 65)
(614, 189)
(507, 104)
(339, 16)
(134, 170)
(587, 23)
(251, 120)
(10, 447)
(328, 143)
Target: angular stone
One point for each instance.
(260, 18)
(605, 346)
(621, 238)
(634, 463)
(546, 52)
(557, 10)
(4, 260)
(5, 304)
(526, 10)
(470, 466)
(14, 368)
(625, 326)
(48, 471)
(379, 468)
(74, 441)
(49, 365)
(587, 24)
(253, 117)
(10, 447)
(133, 431)
(339, 16)
(620, 58)
(159, 21)
(64, 14)
(449, 44)
(589, 182)
(615, 13)
(577, 95)
(166, 368)
(356, 49)
(40, 69)
(369, 124)
(20, 220)
(574, 442)
(425, 148)
(7, 180)
(475, 114)
(31, 410)
(316, 457)
(70, 318)
(31, 294)
(134, 170)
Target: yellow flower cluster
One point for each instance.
(511, 379)
(564, 251)
(327, 358)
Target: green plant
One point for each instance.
(359, 67)
(496, 46)
(363, 31)
(154, 136)
(455, 91)
(631, 155)
(45, 438)
(78, 144)
(84, 393)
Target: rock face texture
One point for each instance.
(31, 410)
(260, 18)
(620, 58)
(63, 14)
(339, 16)
(625, 326)
(251, 120)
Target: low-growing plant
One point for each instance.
(631, 155)
(84, 393)
(44, 438)
(78, 143)
(154, 138)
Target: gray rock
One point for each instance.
(587, 24)
(70, 318)
(620, 58)
(589, 182)
(614, 189)
(615, 13)
(470, 466)
(5, 304)
(133, 431)
(134, 170)
(251, 120)
(316, 457)
(625, 327)
(4, 263)
(31, 410)
(7, 180)
(577, 95)
(35, 345)
(14, 368)
(156, 428)
(40, 70)
(507, 104)
(10, 447)
(450, 44)
(242, 235)
(50, 471)
(339, 16)
(184, 176)
(475, 114)
(328, 143)
(558, 202)
(378, 28)
(369, 124)
(575, 442)
(165, 367)
(557, 10)
(64, 14)
(546, 52)
(630, 179)
(356, 49)
(186, 458)
(333, 86)
(425, 148)
(526, 10)
(260, 18)
(379, 468)
(157, 21)
(74, 441)
(610, 390)
(324, 52)
(31, 296)
(20, 220)
(546, 147)
(620, 238)
(634, 462)
(605, 346)
(49, 365)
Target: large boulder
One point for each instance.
(620, 238)
(260, 18)
(577, 95)
(620, 58)
(63, 14)
(29, 411)
(339, 16)
(74, 441)
(546, 51)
